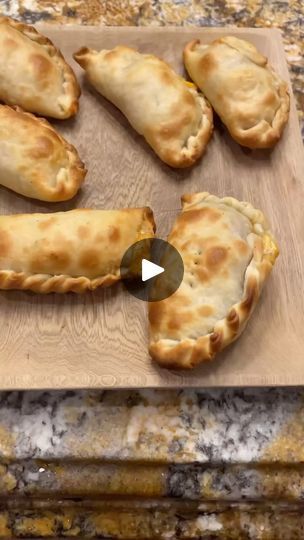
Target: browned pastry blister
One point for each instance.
(33, 72)
(74, 251)
(228, 252)
(250, 98)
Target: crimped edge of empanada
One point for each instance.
(65, 188)
(187, 353)
(196, 144)
(263, 134)
(70, 84)
(48, 283)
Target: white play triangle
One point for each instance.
(150, 270)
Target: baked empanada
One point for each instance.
(35, 160)
(250, 98)
(228, 251)
(69, 251)
(169, 112)
(34, 74)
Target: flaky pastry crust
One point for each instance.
(35, 160)
(250, 98)
(173, 117)
(224, 275)
(73, 251)
(33, 72)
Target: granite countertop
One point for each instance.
(221, 464)
(153, 464)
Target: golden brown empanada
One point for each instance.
(250, 98)
(169, 112)
(33, 73)
(35, 160)
(228, 251)
(68, 251)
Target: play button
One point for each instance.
(152, 270)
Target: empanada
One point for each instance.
(68, 251)
(35, 160)
(34, 74)
(169, 112)
(228, 251)
(250, 98)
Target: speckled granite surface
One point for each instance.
(155, 464)
(235, 427)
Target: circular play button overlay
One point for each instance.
(152, 270)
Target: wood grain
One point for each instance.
(100, 339)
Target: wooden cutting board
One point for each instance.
(100, 339)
